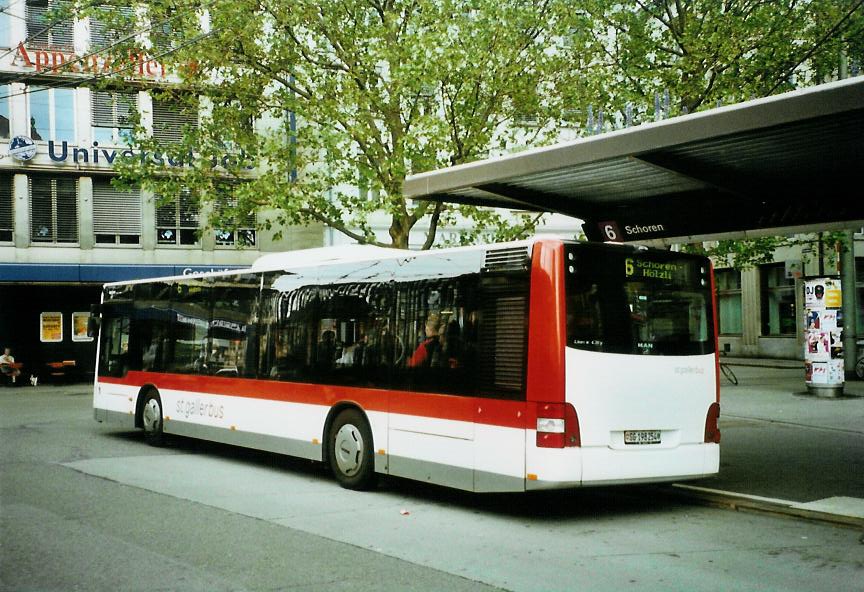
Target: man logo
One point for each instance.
(22, 148)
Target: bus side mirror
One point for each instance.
(95, 321)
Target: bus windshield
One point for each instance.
(638, 302)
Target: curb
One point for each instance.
(753, 503)
(763, 363)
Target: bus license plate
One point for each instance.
(642, 437)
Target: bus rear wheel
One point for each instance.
(151, 419)
(350, 451)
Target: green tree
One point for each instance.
(379, 89)
(705, 52)
(701, 53)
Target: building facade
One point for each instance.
(64, 228)
(761, 309)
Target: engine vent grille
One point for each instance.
(512, 259)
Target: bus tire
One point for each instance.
(152, 420)
(350, 450)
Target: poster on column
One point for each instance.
(823, 332)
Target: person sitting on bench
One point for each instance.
(8, 366)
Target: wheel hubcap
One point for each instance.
(152, 415)
(349, 449)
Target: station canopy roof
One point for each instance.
(778, 165)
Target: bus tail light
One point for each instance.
(557, 426)
(712, 431)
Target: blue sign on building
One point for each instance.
(98, 274)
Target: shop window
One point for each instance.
(116, 214)
(859, 289)
(53, 210)
(5, 91)
(729, 300)
(52, 113)
(171, 119)
(778, 300)
(45, 29)
(111, 117)
(177, 220)
(7, 209)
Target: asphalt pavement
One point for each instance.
(785, 450)
(782, 450)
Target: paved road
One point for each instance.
(780, 442)
(88, 507)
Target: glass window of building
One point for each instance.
(163, 36)
(7, 209)
(5, 91)
(778, 300)
(5, 23)
(177, 220)
(238, 227)
(170, 118)
(859, 289)
(107, 32)
(111, 116)
(116, 214)
(52, 113)
(45, 29)
(729, 300)
(53, 210)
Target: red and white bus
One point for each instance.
(529, 365)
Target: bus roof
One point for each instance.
(325, 256)
(357, 253)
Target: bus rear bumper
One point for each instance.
(592, 466)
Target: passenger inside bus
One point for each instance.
(327, 349)
(430, 347)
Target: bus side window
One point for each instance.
(438, 331)
(353, 345)
(286, 328)
(190, 307)
(233, 327)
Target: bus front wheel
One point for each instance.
(350, 451)
(151, 419)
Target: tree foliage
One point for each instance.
(745, 254)
(380, 89)
(702, 53)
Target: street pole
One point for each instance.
(850, 305)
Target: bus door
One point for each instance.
(114, 339)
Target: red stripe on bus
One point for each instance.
(511, 414)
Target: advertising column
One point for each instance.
(823, 337)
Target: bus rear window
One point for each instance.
(638, 302)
